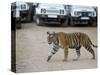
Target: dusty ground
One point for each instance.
(32, 49)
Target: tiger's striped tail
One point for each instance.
(93, 44)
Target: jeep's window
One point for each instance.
(74, 7)
(51, 5)
(23, 6)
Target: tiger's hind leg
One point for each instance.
(65, 54)
(78, 53)
(89, 48)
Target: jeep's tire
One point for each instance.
(38, 22)
(18, 23)
(94, 24)
(71, 22)
(65, 24)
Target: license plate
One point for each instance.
(85, 18)
(84, 22)
(52, 16)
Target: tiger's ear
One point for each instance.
(53, 33)
(48, 33)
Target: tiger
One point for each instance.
(69, 40)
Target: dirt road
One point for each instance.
(32, 49)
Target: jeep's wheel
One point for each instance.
(38, 21)
(34, 18)
(94, 24)
(65, 24)
(71, 22)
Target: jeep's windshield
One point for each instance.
(52, 6)
(76, 7)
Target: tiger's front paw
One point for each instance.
(75, 59)
(64, 60)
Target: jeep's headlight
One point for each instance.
(43, 10)
(92, 14)
(23, 6)
(61, 11)
(77, 13)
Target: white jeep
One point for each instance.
(51, 14)
(20, 10)
(82, 15)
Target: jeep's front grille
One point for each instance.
(52, 11)
(85, 13)
(43, 10)
(61, 11)
(23, 6)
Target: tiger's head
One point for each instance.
(51, 37)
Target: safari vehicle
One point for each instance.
(51, 14)
(82, 15)
(20, 10)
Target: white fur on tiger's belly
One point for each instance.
(50, 49)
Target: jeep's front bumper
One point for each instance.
(51, 16)
(83, 20)
(58, 19)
